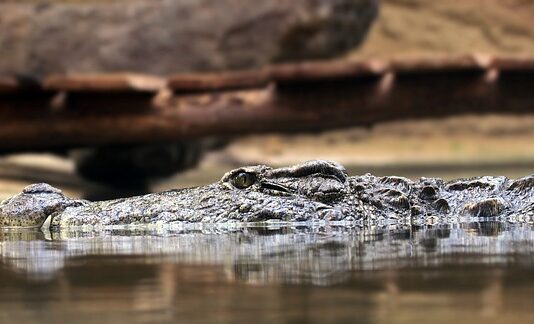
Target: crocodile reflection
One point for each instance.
(319, 256)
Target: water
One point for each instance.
(460, 273)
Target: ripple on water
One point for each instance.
(465, 272)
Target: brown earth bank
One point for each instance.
(455, 140)
(423, 27)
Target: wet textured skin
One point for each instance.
(311, 192)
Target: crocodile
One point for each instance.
(315, 191)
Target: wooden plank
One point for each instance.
(125, 109)
(443, 64)
(112, 82)
(513, 63)
(280, 74)
(325, 71)
(12, 85)
(8, 85)
(308, 107)
(219, 81)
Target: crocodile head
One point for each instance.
(307, 191)
(33, 205)
(249, 194)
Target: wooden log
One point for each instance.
(324, 71)
(8, 85)
(15, 85)
(220, 81)
(441, 64)
(112, 82)
(298, 107)
(513, 63)
(110, 109)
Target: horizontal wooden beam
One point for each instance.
(281, 73)
(113, 82)
(222, 81)
(292, 98)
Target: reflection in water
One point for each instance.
(459, 272)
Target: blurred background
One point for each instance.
(39, 39)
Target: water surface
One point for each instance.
(462, 273)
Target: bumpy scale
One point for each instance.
(311, 192)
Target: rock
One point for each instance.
(169, 36)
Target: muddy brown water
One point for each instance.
(459, 272)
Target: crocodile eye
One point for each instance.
(243, 180)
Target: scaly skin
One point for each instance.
(313, 191)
